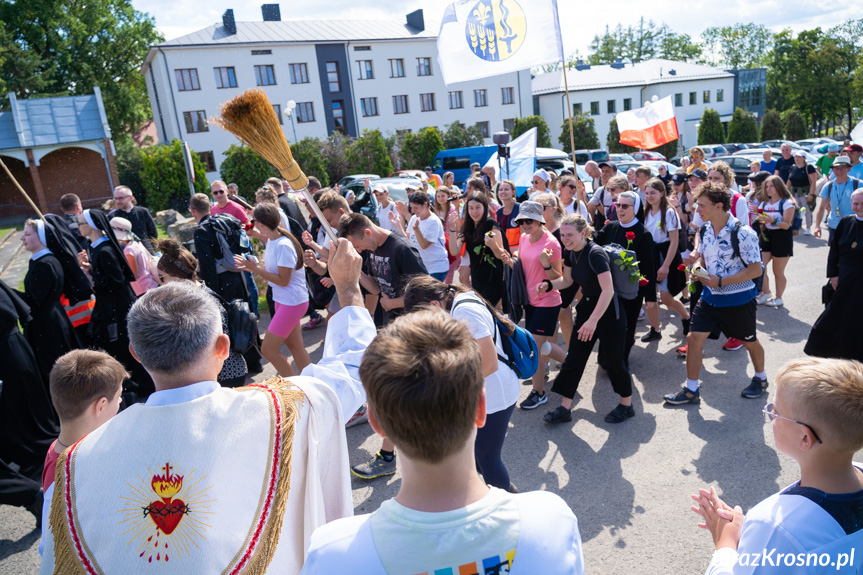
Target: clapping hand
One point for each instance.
(724, 522)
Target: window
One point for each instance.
(369, 106)
(225, 77)
(208, 160)
(678, 99)
(366, 70)
(706, 96)
(427, 103)
(196, 121)
(424, 67)
(362, 48)
(277, 108)
(397, 68)
(187, 79)
(627, 104)
(693, 98)
(261, 52)
(480, 98)
(338, 108)
(506, 96)
(305, 112)
(594, 108)
(265, 75)
(299, 73)
(720, 95)
(333, 77)
(483, 128)
(509, 125)
(611, 106)
(400, 104)
(455, 100)
(576, 109)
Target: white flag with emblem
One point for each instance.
(482, 38)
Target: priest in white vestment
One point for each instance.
(204, 479)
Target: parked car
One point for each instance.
(710, 151)
(756, 145)
(778, 143)
(348, 180)
(733, 148)
(397, 187)
(776, 152)
(416, 174)
(740, 164)
(652, 164)
(583, 156)
(815, 145)
(458, 161)
(648, 156)
(617, 158)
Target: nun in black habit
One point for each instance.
(114, 296)
(28, 423)
(50, 332)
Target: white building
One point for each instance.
(603, 91)
(343, 75)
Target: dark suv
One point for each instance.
(584, 156)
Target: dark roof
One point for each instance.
(49, 121)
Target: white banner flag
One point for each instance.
(482, 38)
(522, 161)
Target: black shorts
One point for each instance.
(541, 320)
(779, 244)
(737, 321)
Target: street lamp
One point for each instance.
(289, 110)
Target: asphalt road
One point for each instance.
(628, 484)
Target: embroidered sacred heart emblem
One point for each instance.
(166, 514)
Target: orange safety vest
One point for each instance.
(79, 313)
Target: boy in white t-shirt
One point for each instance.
(816, 524)
(444, 518)
(425, 231)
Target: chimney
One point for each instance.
(580, 65)
(271, 12)
(618, 63)
(415, 20)
(228, 22)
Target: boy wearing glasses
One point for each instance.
(817, 521)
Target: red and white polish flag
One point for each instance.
(648, 127)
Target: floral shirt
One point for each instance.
(719, 255)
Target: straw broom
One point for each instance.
(251, 118)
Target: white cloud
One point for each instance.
(580, 21)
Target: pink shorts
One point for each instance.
(286, 318)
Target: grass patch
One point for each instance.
(4, 231)
(161, 231)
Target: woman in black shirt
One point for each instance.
(599, 315)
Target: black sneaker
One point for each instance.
(683, 396)
(620, 413)
(756, 388)
(560, 414)
(534, 400)
(652, 335)
(377, 466)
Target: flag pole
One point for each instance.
(569, 110)
(20, 189)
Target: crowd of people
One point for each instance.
(420, 308)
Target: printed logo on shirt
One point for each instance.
(495, 565)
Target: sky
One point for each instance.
(580, 21)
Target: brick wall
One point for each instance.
(76, 170)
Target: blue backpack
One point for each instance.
(797, 222)
(522, 354)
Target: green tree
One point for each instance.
(738, 46)
(244, 167)
(669, 149)
(418, 150)
(710, 131)
(163, 176)
(678, 47)
(308, 153)
(771, 126)
(368, 154)
(645, 41)
(584, 133)
(130, 164)
(743, 127)
(613, 140)
(795, 126)
(522, 125)
(335, 156)
(68, 48)
(459, 136)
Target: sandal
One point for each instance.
(559, 415)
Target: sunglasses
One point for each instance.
(218, 192)
(121, 197)
(525, 222)
(623, 206)
(573, 186)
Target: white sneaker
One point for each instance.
(641, 315)
(545, 349)
(807, 232)
(775, 302)
(762, 298)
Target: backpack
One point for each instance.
(519, 347)
(734, 198)
(855, 183)
(797, 222)
(242, 325)
(735, 238)
(623, 285)
(232, 240)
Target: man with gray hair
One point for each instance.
(227, 480)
